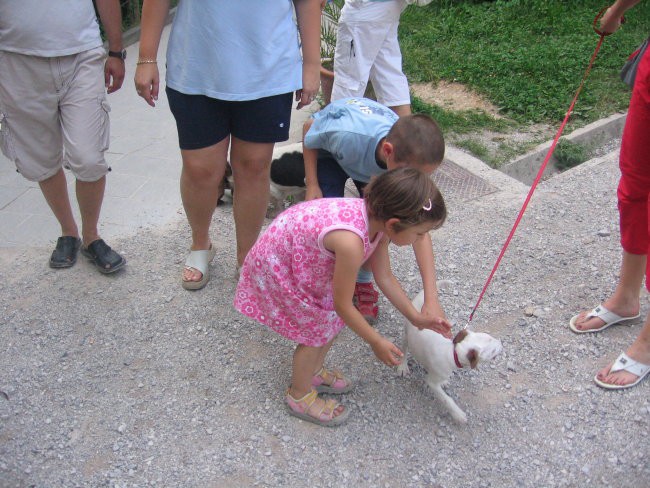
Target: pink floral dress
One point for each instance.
(286, 279)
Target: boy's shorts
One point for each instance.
(203, 121)
(370, 51)
(53, 111)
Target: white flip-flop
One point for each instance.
(610, 318)
(625, 363)
(199, 260)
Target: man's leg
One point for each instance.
(55, 191)
(90, 195)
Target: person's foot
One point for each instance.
(313, 408)
(584, 323)
(106, 259)
(365, 299)
(637, 352)
(196, 270)
(65, 252)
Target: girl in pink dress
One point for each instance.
(299, 278)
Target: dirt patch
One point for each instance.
(453, 96)
(493, 148)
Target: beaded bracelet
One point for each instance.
(146, 61)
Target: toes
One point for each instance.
(191, 274)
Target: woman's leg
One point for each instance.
(625, 300)
(203, 170)
(251, 166)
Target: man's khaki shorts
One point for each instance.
(53, 112)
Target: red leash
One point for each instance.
(544, 163)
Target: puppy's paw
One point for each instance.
(403, 369)
(459, 417)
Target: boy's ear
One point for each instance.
(387, 151)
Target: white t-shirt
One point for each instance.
(234, 50)
(48, 28)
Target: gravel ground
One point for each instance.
(129, 380)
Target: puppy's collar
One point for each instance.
(456, 360)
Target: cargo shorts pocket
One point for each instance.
(105, 124)
(6, 142)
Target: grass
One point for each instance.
(527, 57)
(569, 154)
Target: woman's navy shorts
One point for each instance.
(203, 121)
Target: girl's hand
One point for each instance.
(147, 82)
(387, 352)
(436, 324)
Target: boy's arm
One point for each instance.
(423, 249)
(110, 15)
(310, 157)
(348, 249)
(388, 284)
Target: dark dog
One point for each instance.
(287, 180)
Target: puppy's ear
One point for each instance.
(460, 336)
(472, 357)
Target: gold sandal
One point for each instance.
(326, 381)
(304, 409)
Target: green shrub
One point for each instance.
(569, 154)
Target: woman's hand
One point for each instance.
(147, 82)
(310, 84)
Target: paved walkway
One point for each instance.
(143, 187)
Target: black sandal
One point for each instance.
(65, 252)
(101, 254)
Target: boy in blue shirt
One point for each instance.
(359, 138)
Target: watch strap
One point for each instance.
(118, 54)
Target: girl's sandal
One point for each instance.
(326, 381)
(305, 408)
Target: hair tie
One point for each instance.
(428, 207)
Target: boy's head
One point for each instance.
(414, 141)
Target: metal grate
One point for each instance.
(456, 183)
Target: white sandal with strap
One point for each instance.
(200, 261)
(600, 312)
(625, 363)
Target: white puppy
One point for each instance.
(441, 356)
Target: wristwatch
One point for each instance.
(118, 54)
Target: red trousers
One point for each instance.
(634, 186)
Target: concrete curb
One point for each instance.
(525, 167)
